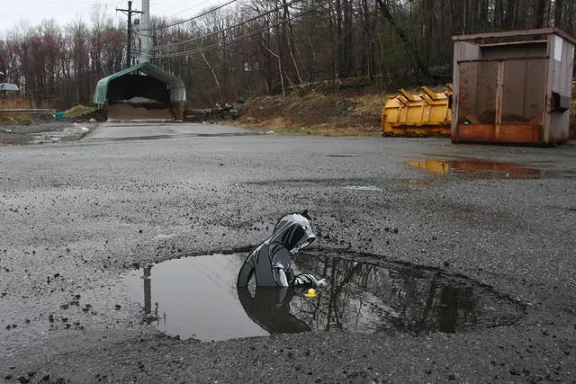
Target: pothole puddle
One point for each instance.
(197, 297)
(485, 169)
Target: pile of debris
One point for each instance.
(218, 113)
(97, 115)
(139, 108)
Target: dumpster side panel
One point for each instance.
(463, 86)
(562, 63)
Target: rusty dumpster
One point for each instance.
(513, 87)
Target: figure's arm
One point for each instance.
(283, 275)
(307, 279)
(281, 263)
(280, 277)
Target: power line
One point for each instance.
(185, 9)
(238, 24)
(240, 38)
(214, 9)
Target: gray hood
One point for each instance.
(294, 232)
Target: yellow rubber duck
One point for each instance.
(311, 293)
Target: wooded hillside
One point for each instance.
(255, 47)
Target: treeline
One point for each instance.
(255, 47)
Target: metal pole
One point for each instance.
(145, 22)
(129, 12)
(147, 290)
(129, 47)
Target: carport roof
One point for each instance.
(175, 85)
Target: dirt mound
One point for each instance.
(128, 112)
(317, 113)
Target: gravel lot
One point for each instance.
(77, 216)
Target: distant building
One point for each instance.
(141, 92)
(8, 87)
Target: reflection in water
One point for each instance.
(364, 297)
(269, 307)
(197, 297)
(485, 168)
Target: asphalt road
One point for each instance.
(75, 217)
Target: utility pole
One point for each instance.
(129, 12)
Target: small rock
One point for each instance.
(46, 378)
(23, 379)
(8, 377)
(118, 307)
(446, 264)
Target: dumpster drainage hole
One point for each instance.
(196, 297)
(486, 169)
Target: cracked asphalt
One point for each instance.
(77, 216)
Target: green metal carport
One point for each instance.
(174, 85)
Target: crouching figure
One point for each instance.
(271, 262)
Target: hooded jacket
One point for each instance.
(271, 262)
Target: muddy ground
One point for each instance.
(78, 216)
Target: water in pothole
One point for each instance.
(485, 169)
(197, 297)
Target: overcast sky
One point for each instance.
(63, 11)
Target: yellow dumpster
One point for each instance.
(426, 114)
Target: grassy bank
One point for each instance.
(15, 103)
(316, 114)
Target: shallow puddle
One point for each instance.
(485, 169)
(370, 188)
(197, 297)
